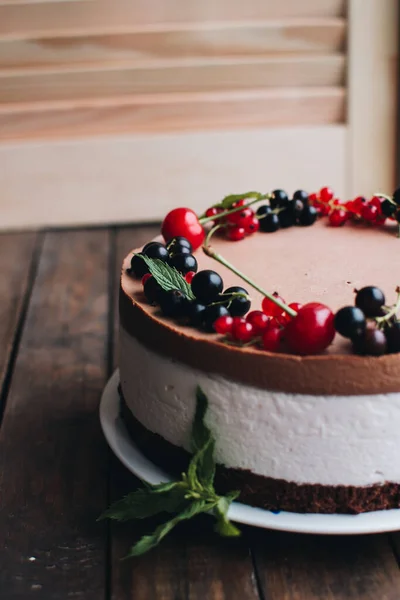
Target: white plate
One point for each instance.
(122, 445)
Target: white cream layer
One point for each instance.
(330, 440)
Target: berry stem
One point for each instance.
(231, 211)
(209, 251)
(386, 197)
(392, 312)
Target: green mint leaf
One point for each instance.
(147, 502)
(148, 542)
(223, 525)
(230, 200)
(167, 277)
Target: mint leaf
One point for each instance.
(147, 502)
(223, 526)
(167, 277)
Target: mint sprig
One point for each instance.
(186, 498)
(167, 277)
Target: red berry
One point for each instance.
(358, 204)
(312, 199)
(377, 202)
(272, 339)
(259, 320)
(211, 212)
(240, 217)
(324, 209)
(189, 276)
(369, 212)
(338, 217)
(252, 225)
(326, 194)
(242, 331)
(270, 308)
(183, 221)
(312, 330)
(241, 202)
(235, 233)
(223, 325)
(284, 318)
(146, 277)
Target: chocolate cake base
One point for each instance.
(266, 492)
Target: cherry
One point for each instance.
(252, 225)
(326, 194)
(270, 308)
(272, 338)
(242, 331)
(369, 212)
(235, 233)
(189, 276)
(338, 217)
(259, 320)
(223, 325)
(183, 222)
(312, 330)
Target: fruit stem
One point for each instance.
(209, 251)
(386, 197)
(392, 312)
(204, 220)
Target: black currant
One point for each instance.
(211, 314)
(173, 303)
(206, 285)
(392, 333)
(307, 216)
(287, 216)
(396, 196)
(179, 250)
(237, 305)
(183, 263)
(279, 199)
(372, 342)
(147, 245)
(397, 216)
(152, 290)
(156, 250)
(370, 299)
(301, 195)
(388, 208)
(270, 223)
(195, 312)
(350, 322)
(138, 266)
(175, 245)
(263, 210)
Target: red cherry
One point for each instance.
(369, 212)
(242, 331)
(326, 194)
(146, 277)
(235, 233)
(189, 276)
(252, 225)
(259, 320)
(272, 339)
(338, 217)
(211, 212)
(312, 330)
(223, 325)
(270, 308)
(284, 318)
(183, 221)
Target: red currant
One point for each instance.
(223, 325)
(242, 331)
(241, 202)
(240, 217)
(284, 318)
(146, 277)
(235, 233)
(252, 225)
(324, 209)
(377, 202)
(358, 204)
(312, 330)
(312, 199)
(183, 222)
(272, 339)
(259, 320)
(338, 217)
(326, 194)
(189, 276)
(270, 308)
(369, 212)
(211, 212)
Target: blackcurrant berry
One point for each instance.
(350, 322)
(270, 223)
(287, 217)
(195, 312)
(370, 299)
(237, 305)
(152, 290)
(392, 333)
(263, 210)
(211, 314)
(177, 243)
(179, 250)
(183, 263)
(301, 195)
(396, 196)
(372, 342)
(138, 266)
(156, 250)
(388, 208)
(279, 199)
(397, 216)
(206, 285)
(147, 245)
(307, 216)
(173, 303)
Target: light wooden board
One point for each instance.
(259, 39)
(135, 178)
(50, 19)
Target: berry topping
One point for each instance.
(156, 250)
(252, 225)
(338, 217)
(301, 195)
(223, 325)
(372, 342)
(270, 308)
(326, 194)
(238, 305)
(138, 266)
(183, 222)
(388, 208)
(152, 290)
(308, 215)
(195, 312)
(350, 322)
(259, 320)
(173, 303)
(287, 216)
(370, 300)
(212, 314)
(263, 210)
(392, 333)
(189, 276)
(279, 199)
(241, 217)
(235, 234)
(212, 211)
(369, 212)
(269, 223)
(183, 263)
(177, 244)
(272, 338)
(242, 330)
(206, 285)
(312, 330)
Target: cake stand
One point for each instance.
(129, 454)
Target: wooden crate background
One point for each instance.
(116, 110)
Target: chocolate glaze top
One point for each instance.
(304, 264)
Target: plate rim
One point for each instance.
(136, 462)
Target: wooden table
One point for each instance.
(58, 331)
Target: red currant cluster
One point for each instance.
(236, 225)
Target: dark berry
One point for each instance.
(372, 343)
(397, 216)
(370, 299)
(308, 216)
(176, 245)
(287, 216)
(152, 290)
(147, 245)
(279, 199)
(270, 223)
(263, 210)
(388, 208)
(156, 250)
(173, 303)
(237, 305)
(195, 312)
(183, 263)
(138, 266)
(206, 285)
(392, 333)
(350, 322)
(396, 196)
(301, 195)
(211, 314)
(179, 250)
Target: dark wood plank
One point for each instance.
(193, 562)
(297, 567)
(53, 457)
(17, 254)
